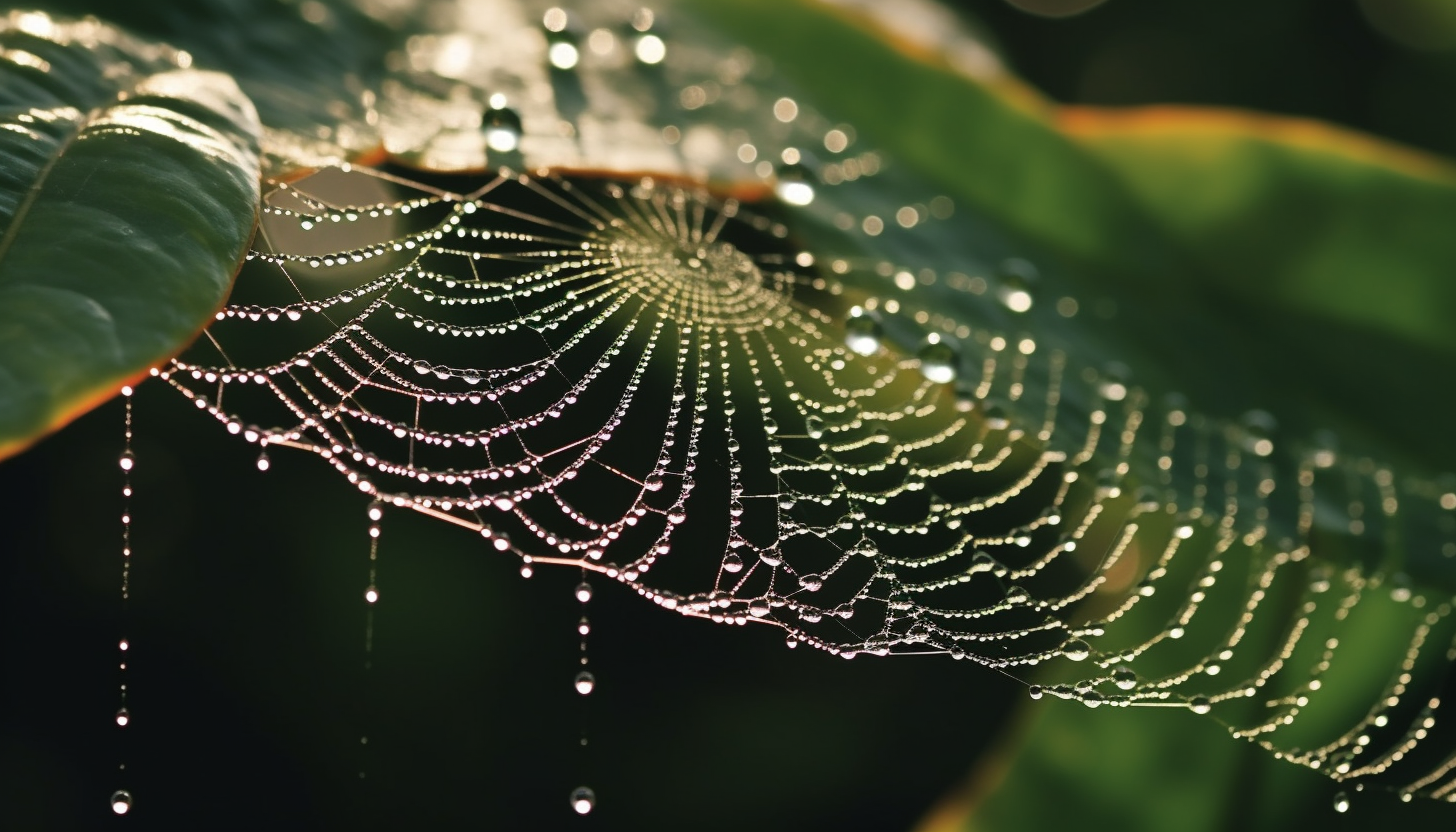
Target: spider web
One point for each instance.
(761, 405)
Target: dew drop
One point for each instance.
(584, 626)
(1076, 650)
(1124, 677)
(583, 592)
(1018, 282)
(1035, 691)
(862, 332)
(583, 800)
(653, 483)
(811, 582)
(814, 426)
(1017, 595)
(938, 360)
(263, 462)
(996, 417)
(795, 185)
(1342, 802)
(650, 49)
(1200, 705)
(1259, 428)
(121, 802)
(123, 716)
(732, 563)
(502, 129)
(585, 682)
(1113, 383)
(127, 461)
(371, 595)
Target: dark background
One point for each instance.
(248, 695)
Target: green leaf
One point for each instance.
(309, 68)
(1293, 214)
(127, 198)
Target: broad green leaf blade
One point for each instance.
(311, 69)
(127, 197)
(1291, 213)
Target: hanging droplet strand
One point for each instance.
(371, 599)
(582, 799)
(121, 800)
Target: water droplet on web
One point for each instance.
(1124, 677)
(502, 129)
(732, 563)
(584, 626)
(1018, 281)
(121, 802)
(583, 800)
(371, 595)
(862, 332)
(811, 582)
(996, 417)
(1342, 802)
(583, 592)
(1259, 427)
(1076, 650)
(1035, 692)
(653, 483)
(127, 461)
(263, 463)
(585, 682)
(1017, 595)
(1113, 382)
(123, 716)
(938, 360)
(795, 185)
(1200, 705)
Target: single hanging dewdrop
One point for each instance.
(123, 717)
(1342, 802)
(371, 595)
(583, 800)
(121, 802)
(585, 682)
(583, 592)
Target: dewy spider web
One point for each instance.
(653, 383)
(776, 412)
